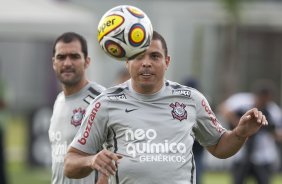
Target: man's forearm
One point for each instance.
(77, 166)
(228, 145)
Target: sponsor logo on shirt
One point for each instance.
(59, 148)
(77, 116)
(184, 92)
(141, 144)
(117, 97)
(90, 122)
(178, 111)
(212, 116)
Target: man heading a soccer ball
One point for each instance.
(150, 124)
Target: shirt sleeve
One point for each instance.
(207, 128)
(93, 130)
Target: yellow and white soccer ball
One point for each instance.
(124, 32)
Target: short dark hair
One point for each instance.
(158, 36)
(68, 37)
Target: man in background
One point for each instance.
(259, 156)
(70, 61)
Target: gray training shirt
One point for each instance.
(67, 116)
(153, 133)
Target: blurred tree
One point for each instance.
(233, 9)
(230, 52)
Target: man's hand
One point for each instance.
(250, 123)
(78, 164)
(105, 162)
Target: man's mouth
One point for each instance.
(146, 73)
(67, 71)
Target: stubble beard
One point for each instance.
(70, 81)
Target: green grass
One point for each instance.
(225, 178)
(20, 173)
(18, 170)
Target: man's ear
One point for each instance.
(87, 62)
(53, 63)
(167, 61)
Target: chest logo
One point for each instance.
(178, 111)
(77, 116)
(130, 110)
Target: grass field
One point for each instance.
(19, 172)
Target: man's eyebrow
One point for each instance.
(60, 54)
(68, 54)
(156, 52)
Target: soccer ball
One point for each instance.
(124, 32)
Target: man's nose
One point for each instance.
(67, 61)
(146, 62)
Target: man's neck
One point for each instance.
(70, 90)
(146, 90)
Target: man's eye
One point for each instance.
(155, 56)
(75, 56)
(61, 57)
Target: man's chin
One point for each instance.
(68, 82)
(147, 85)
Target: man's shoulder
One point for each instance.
(60, 96)
(115, 90)
(179, 89)
(114, 93)
(96, 86)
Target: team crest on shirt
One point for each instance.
(77, 116)
(178, 111)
